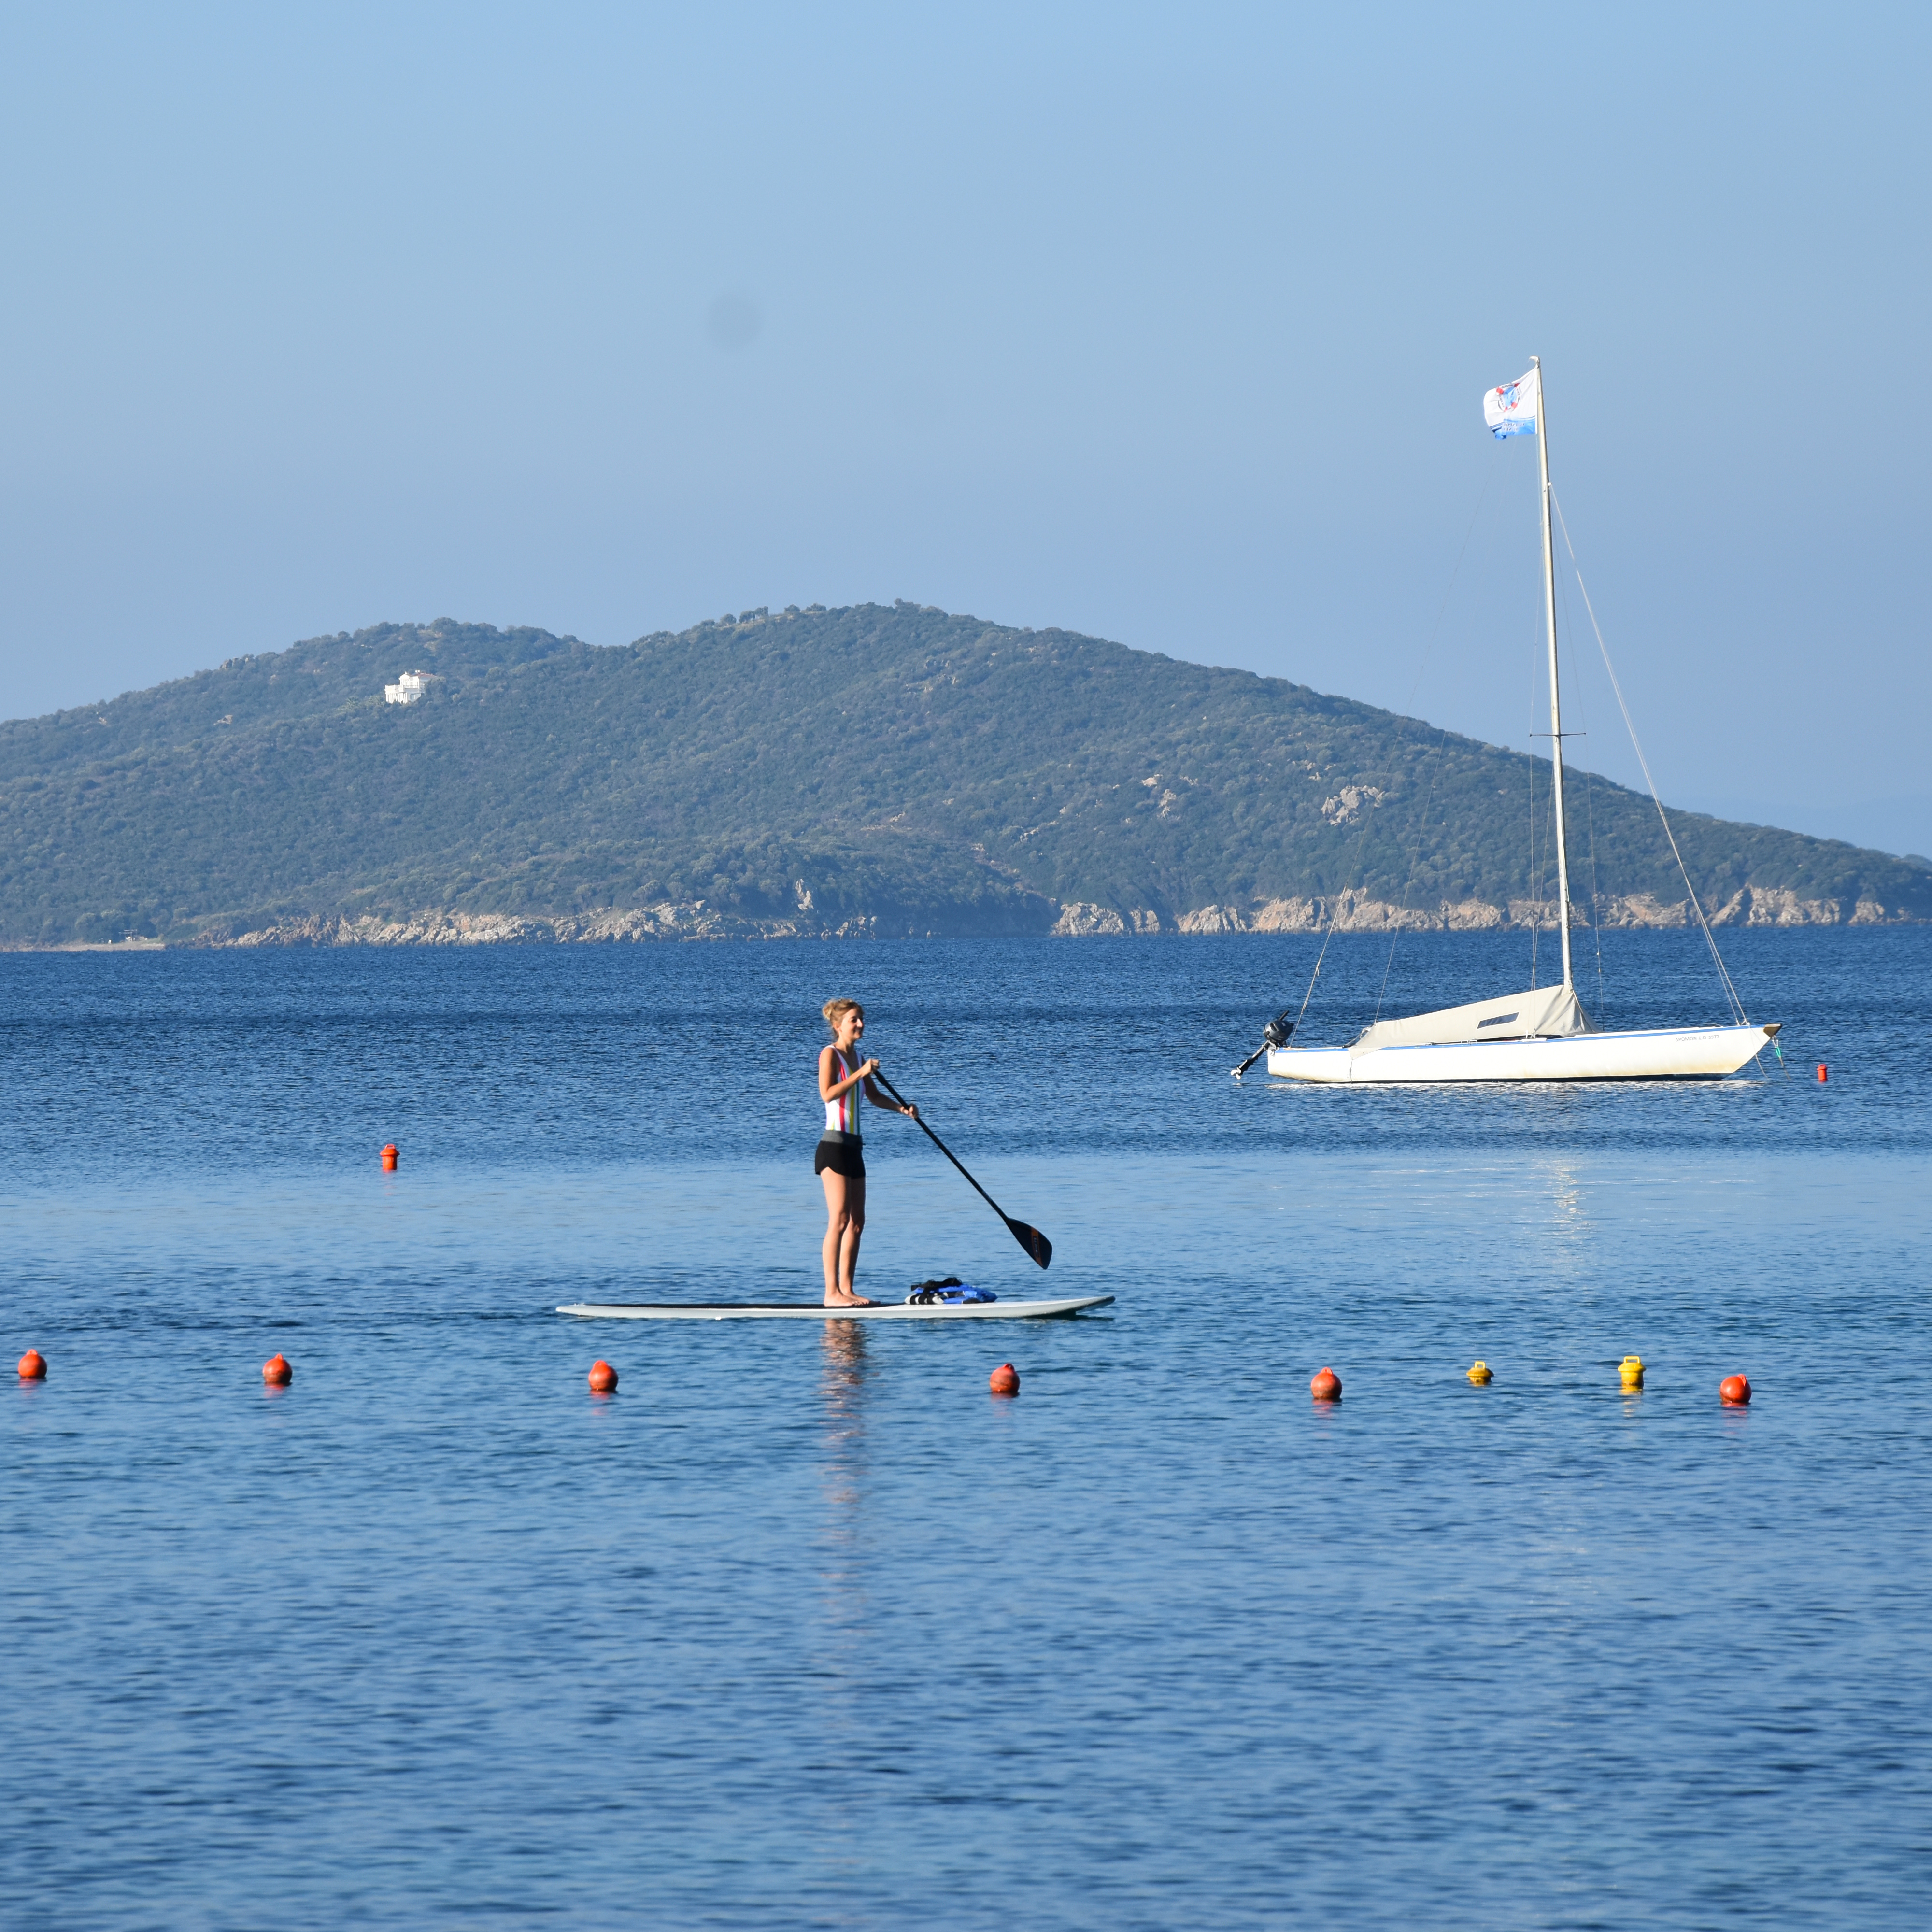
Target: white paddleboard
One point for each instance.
(814, 1311)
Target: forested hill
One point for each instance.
(868, 770)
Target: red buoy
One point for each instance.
(276, 1372)
(1821, 1070)
(1325, 1386)
(1005, 1380)
(389, 1158)
(33, 1366)
(603, 1378)
(1735, 1390)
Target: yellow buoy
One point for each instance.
(1630, 1369)
(1481, 1372)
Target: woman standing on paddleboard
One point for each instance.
(841, 1160)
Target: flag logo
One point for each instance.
(1510, 409)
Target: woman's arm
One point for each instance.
(891, 1106)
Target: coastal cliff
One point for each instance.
(864, 772)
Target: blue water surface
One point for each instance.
(804, 1628)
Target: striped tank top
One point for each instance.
(841, 1115)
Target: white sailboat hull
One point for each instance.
(1669, 1053)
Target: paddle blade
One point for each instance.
(1032, 1239)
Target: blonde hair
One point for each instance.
(835, 1010)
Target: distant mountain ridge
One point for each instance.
(819, 772)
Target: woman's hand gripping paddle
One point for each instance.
(1031, 1239)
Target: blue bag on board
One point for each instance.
(925, 1294)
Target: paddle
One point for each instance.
(1031, 1239)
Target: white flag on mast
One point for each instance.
(1512, 409)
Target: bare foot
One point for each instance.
(849, 1301)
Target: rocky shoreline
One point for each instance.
(1354, 912)
(696, 920)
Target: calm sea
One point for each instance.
(803, 1628)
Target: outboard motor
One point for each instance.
(1275, 1033)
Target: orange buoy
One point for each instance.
(389, 1158)
(1325, 1386)
(276, 1372)
(1005, 1380)
(1821, 1070)
(33, 1366)
(1735, 1390)
(603, 1378)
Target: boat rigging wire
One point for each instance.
(1589, 813)
(1409, 885)
(1596, 898)
(1361, 844)
(1534, 908)
(1697, 904)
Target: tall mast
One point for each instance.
(1556, 703)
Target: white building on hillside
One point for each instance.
(408, 688)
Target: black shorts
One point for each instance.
(845, 1157)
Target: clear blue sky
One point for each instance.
(1166, 324)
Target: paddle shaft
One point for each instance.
(1027, 1238)
(943, 1147)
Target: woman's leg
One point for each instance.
(835, 1230)
(844, 1222)
(855, 1226)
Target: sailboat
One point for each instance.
(1544, 1033)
